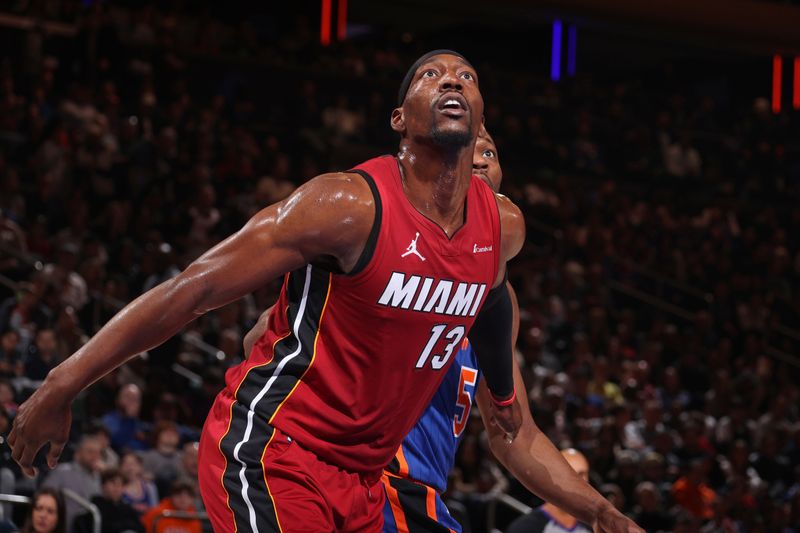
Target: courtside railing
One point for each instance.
(91, 508)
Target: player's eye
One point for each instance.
(429, 73)
(489, 154)
(468, 76)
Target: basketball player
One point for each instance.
(418, 474)
(363, 334)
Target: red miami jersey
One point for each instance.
(350, 361)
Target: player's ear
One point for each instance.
(398, 120)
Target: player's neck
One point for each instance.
(436, 181)
(562, 517)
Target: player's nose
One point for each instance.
(450, 81)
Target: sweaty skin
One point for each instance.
(329, 216)
(531, 457)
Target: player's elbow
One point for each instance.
(187, 293)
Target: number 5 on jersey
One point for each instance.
(469, 376)
(440, 360)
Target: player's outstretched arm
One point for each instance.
(538, 465)
(330, 215)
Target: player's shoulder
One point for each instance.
(507, 207)
(512, 226)
(346, 193)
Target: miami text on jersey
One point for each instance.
(429, 295)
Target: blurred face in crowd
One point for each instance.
(183, 500)
(168, 441)
(6, 393)
(131, 467)
(113, 488)
(189, 458)
(130, 400)
(577, 461)
(45, 514)
(485, 161)
(9, 341)
(46, 342)
(89, 454)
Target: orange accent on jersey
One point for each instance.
(264, 471)
(430, 502)
(230, 420)
(401, 459)
(394, 502)
(469, 376)
(313, 353)
(465, 343)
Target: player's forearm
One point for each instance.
(490, 337)
(146, 322)
(538, 465)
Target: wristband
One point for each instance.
(504, 403)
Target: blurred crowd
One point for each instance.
(658, 289)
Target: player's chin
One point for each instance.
(457, 134)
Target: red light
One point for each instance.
(796, 87)
(325, 28)
(777, 71)
(341, 27)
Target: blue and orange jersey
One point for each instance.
(428, 451)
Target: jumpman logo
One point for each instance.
(412, 248)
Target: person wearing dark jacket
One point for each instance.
(116, 516)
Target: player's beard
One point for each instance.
(453, 140)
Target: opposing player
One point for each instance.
(362, 337)
(418, 474)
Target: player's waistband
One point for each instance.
(388, 473)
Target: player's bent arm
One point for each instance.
(330, 215)
(537, 464)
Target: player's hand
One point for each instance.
(612, 521)
(44, 418)
(508, 419)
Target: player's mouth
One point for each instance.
(452, 105)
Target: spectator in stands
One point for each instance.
(181, 498)
(549, 518)
(43, 357)
(108, 457)
(81, 475)
(649, 510)
(116, 516)
(8, 467)
(692, 493)
(11, 365)
(126, 428)
(163, 460)
(7, 400)
(140, 492)
(47, 514)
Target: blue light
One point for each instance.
(555, 60)
(572, 48)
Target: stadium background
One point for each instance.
(654, 148)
